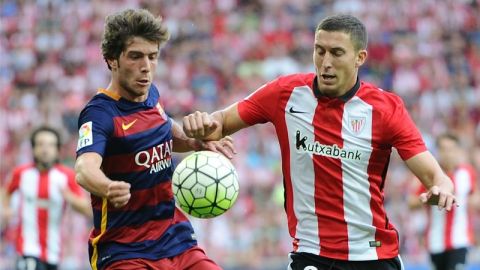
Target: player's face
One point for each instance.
(45, 151)
(135, 68)
(449, 153)
(336, 62)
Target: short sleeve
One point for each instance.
(14, 182)
(95, 126)
(405, 136)
(261, 105)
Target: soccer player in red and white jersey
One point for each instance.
(450, 234)
(44, 188)
(336, 134)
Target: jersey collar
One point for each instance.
(150, 102)
(345, 97)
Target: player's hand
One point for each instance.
(200, 125)
(440, 195)
(224, 146)
(118, 193)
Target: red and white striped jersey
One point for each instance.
(41, 206)
(453, 229)
(335, 154)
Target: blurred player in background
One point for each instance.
(450, 234)
(124, 157)
(336, 134)
(44, 187)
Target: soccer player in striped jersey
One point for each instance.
(450, 234)
(44, 187)
(124, 157)
(338, 131)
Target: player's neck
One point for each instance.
(43, 167)
(115, 88)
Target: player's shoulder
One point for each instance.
(64, 169)
(100, 104)
(296, 80)
(465, 167)
(99, 100)
(22, 168)
(377, 96)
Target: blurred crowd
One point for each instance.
(427, 51)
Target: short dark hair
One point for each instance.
(347, 24)
(120, 27)
(447, 136)
(40, 129)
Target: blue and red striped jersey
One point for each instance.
(135, 141)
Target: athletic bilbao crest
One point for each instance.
(356, 123)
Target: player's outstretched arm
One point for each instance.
(204, 126)
(78, 203)
(439, 187)
(6, 213)
(90, 177)
(182, 143)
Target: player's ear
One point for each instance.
(113, 63)
(361, 57)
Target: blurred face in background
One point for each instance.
(134, 69)
(45, 150)
(336, 62)
(449, 153)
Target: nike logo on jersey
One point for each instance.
(294, 111)
(129, 125)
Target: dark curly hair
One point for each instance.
(121, 26)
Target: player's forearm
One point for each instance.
(78, 203)
(181, 142)
(91, 178)
(230, 121)
(6, 210)
(414, 202)
(427, 170)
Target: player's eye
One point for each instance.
(338, 53)
(153, 56)
(320, 51)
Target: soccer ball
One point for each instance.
(205, 184)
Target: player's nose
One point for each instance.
(146, 65)
(327, 61)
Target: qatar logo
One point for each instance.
(356, 124)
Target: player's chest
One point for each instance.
(331, 124)
(42, 190)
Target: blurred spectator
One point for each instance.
(449, 235)
(427, 51)
(42, 189)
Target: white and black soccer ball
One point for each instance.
(205, 184)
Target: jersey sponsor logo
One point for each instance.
(375, 243)
(291, 110)
(85, 135)
(157, 158)
(356, 124)
(129, 125)
(317, 148)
